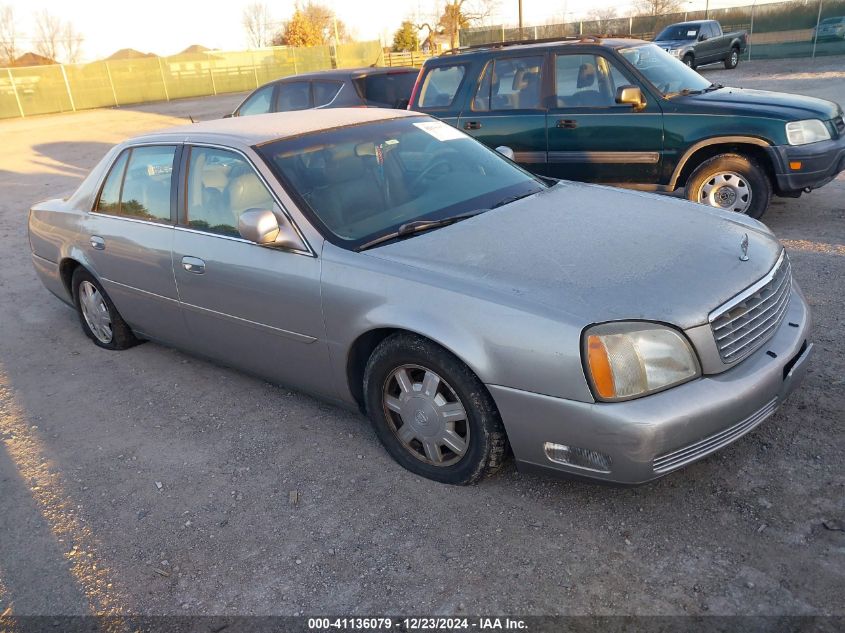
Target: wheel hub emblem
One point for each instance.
(420, 417)
(726, 196)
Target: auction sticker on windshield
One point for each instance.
(440, 131)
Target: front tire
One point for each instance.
(100, 320)
(732, 60)
(689, 60)
(431, 412)
(731, 182)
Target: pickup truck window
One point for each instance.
(586, 80)
(678, 32)
(666, 73)
(441, 85)
(510, 84)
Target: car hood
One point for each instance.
(786, 106)
(596, 254)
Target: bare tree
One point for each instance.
(8, 36)
(49, 29)
(456, 15)
(256, 21)
(656, 7)
(71, 43)
(603, 18)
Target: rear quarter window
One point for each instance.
(388, 89)
(440, 86)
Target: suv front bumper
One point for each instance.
(648, 437)
(820, 163)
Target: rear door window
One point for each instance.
(295, 95)
(143, 187)
(510, 84)
(391, 89)
(440, 86)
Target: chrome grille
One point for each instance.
(748, 320)
(696, 450)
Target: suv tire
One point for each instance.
(732, 182)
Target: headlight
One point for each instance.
(625, 360)
(809, 131)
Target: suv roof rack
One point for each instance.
(545, 40)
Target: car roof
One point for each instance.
(494, 47)
(262, 128)
(348, 73)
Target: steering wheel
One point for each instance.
(438, 164)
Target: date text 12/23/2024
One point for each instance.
(417, 624)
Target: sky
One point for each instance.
(165, 27)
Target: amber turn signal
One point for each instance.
(600, 367)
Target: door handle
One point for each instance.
(193, 265)
(568, 124)
(472, 125)
(98, 242)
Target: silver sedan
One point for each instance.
(387, 262)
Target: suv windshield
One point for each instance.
(677, 32)
(365, 181)
(666, 73)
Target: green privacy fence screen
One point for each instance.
(31, 90)
(776, 30)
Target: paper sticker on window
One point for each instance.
(440, 131)
(691, 33)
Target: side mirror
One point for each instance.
(702, 37)
(262, 227)
(630, 95)
(505, 151)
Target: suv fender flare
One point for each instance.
(717, 140)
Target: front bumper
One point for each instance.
(651, 436)
(820, 163)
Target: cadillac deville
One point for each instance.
(387, 262)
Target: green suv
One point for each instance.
(626, 113)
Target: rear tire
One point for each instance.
(689, 60)
(100, 320)
(732, 60)
(431, 412)
(731, 182)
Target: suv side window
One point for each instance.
(258, 103)
(586, 81)
(295, 95)
(145, 184)
(510, 83)
(221, 185)
(440, 86)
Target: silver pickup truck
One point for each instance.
(702, 42)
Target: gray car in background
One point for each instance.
(387, 262)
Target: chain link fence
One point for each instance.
(31, 90)
(799, 28)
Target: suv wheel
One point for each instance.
(732, 60)
(431, 413)
(731, 182)
(689, 60)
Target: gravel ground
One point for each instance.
(151, 482)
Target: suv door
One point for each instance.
(130, 233)
(591, 137)
(255, 307)
(507, 108)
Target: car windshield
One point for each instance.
(363, 182)
(677, 32)
(666, 73)
(834, 21)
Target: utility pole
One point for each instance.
(521, 35)
(707, 10)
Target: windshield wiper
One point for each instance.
(683, 93)
(418, 226)
(505, 201)
(713, 87)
